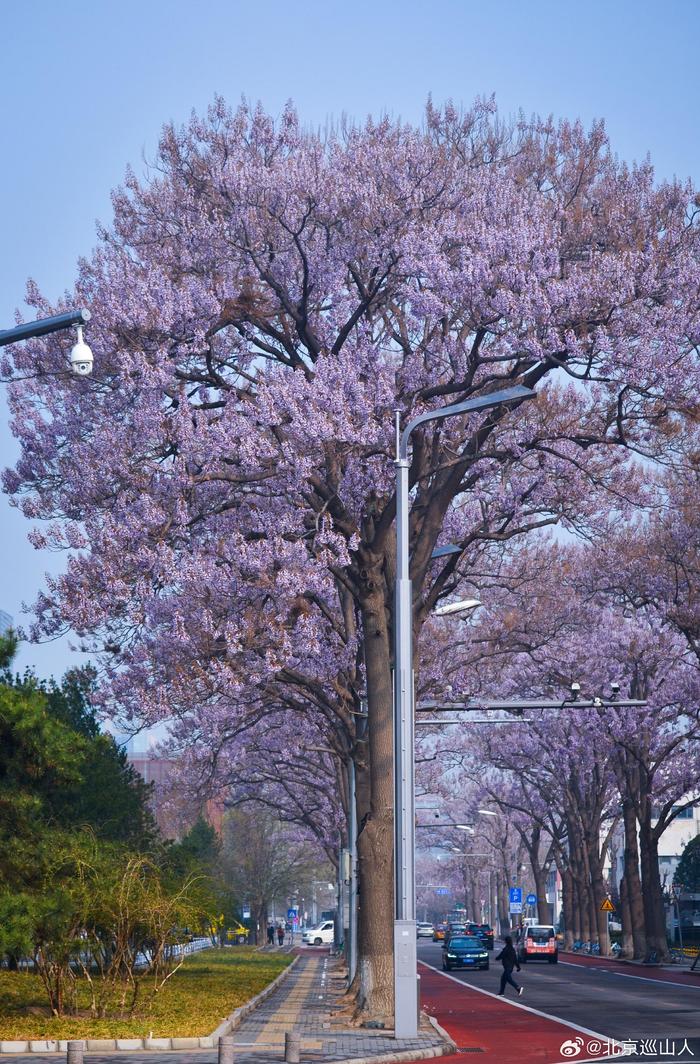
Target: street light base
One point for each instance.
(405, 981)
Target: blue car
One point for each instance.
(463, 952)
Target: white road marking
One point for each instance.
(630, 975)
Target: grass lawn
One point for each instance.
(208, 987)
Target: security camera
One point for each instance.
(575, 690)
(81, 356)
(615, 689)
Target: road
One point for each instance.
(611, 999)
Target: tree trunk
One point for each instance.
(652, 892)
(634, 938)
(375, 841)
(567, 903)
(544, 909)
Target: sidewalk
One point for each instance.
(306, 1002)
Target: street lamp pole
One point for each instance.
(44, 326)
(405, 953)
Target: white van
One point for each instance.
(539, 942)
(319, 936)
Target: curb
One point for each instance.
(642, 965)
(442, 1032)
(129, 1045)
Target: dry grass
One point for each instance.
(208, 987)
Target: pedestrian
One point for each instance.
(280, 935)
(509, 959)
(270, 934)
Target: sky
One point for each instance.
(85, 88)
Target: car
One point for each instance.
(484, 932)
(465, 951)
(539, 942)
(439, 932)
(454, 929)
(424, 930)
(319, 936)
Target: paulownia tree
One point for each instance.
(263, 301)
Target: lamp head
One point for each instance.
(575, 690)
(81, 359)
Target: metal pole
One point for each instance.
(43, 326)
(405, 953)
(340, 923)
(352, 843)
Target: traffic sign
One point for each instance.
(531, 899)
(442, 890)
(607, 906)
(292, 914)
(515, 896)
(246, 914)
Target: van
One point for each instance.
(539, 942)
(318, 936)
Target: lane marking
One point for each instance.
(629, 975)
(526, 1008)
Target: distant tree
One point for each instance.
(687, 874)
(199, 849)
(264, 859)
(8, 647)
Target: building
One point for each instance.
(175, 814)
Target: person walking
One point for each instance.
(270, 934)
(509, 959)
(280, 935)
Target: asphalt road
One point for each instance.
(617, 1002)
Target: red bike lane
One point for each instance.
(680, 976)
(506, 1031)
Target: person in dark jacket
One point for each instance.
(270, 934)
(280, 935)
(509, 959)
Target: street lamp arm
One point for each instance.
(482, 402)
(44, 326)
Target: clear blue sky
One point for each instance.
(86, 86)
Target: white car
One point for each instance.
(424, 930)
(319, 936)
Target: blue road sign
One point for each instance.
(531, 899)
(442, 890)
(516, 895)
(292, 914)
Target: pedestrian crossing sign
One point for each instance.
(607, 906)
